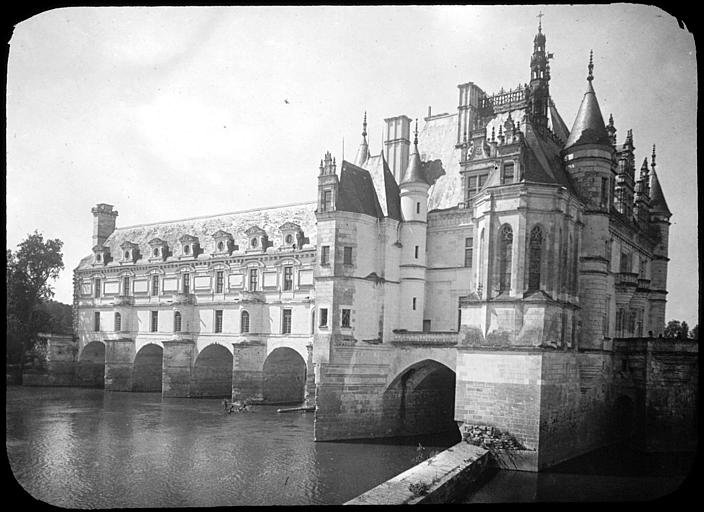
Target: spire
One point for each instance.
(658, 204)
(588, 127)
(652, 162)
(590, 77)
(363, 151)
(611, 129)
(414, 172)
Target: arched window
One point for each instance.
(118, 322)
(480, 273)
(177, 321)
(505, 250)
(244, 322)
(535, 252)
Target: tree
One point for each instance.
(694, 333)
(676, 329)
(30, 271)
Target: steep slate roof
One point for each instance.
(588, 127)
(269, 219)
(356, 191)
(437, 141)
(657, 198)
(387, 190)
(414, 172)
(557, 125)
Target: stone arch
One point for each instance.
(284, 377)
(90, 372)
(421, 400)
(147, 368)
(212, 373)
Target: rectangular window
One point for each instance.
(155, 286)
(219, 281)
(286, 322)
(323, 317)
(604, 192)
(639, 324)
(507, 178)
(177, 321)
(416, 251)
(97, 288)
(607, 318)
(414, 303)
(472, 185)
(186, 283)
(125, 286)
(288, 278)
(253, 280)
(417, 207)
(468, 247)
(426, 325)
(345, 318)
(154, 327)
(325, 255)
(347, 255)
(118, 322)
(481, 181)
(643, 268)
(625, 262)
(96, 321)
(619, 322)
(327, 201)
(218, 320)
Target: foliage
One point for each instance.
(694, 333)
(30, 270)
(422, 454)
(419, 489)
(676, 329)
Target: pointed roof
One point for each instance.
(414, 171)
(356, 192)
(657, 198)
(588, 127)
(363, 151)
(559, 127)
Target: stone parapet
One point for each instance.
(425, 338)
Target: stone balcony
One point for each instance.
(123, 300)
(182, 298)
(425, 339)
(627, 279)
(248, 296)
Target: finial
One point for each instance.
(415, 134)
(493, 136)
(653, 154)
(591, 66)
(540, 21)
(611, 119)
(364, 125)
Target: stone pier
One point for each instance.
(119, 358)
(177, 367)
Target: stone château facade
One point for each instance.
(477, 270)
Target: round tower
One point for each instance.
(414, 216)
(589, 159)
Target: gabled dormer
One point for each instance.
(130, 252)
(257, 239)
(101, 255)
(190, 246)
(158, 249)
(224, 243)
(291, 235)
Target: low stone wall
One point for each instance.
(444, 478)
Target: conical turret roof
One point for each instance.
(363, 151)
(414, 171)
(657, 198)
(588, 127)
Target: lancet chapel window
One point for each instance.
(244, 322)
(535, 250)
(505, 250)
(177, 321)
(118, 322)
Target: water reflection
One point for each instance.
(85, 448)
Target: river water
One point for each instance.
(87, 448)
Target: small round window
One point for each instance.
(127, 255)
(186, 249)
(254, 242)
(156, 252)
(221, 246)
(289, 239)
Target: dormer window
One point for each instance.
(159, 249)
(101, 255)
(98, 257)
(130, 252)
(258, 239)
(224, 243)
(291, 235)
(189, 246)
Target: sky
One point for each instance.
(176, 112)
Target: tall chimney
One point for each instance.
(103, 223)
